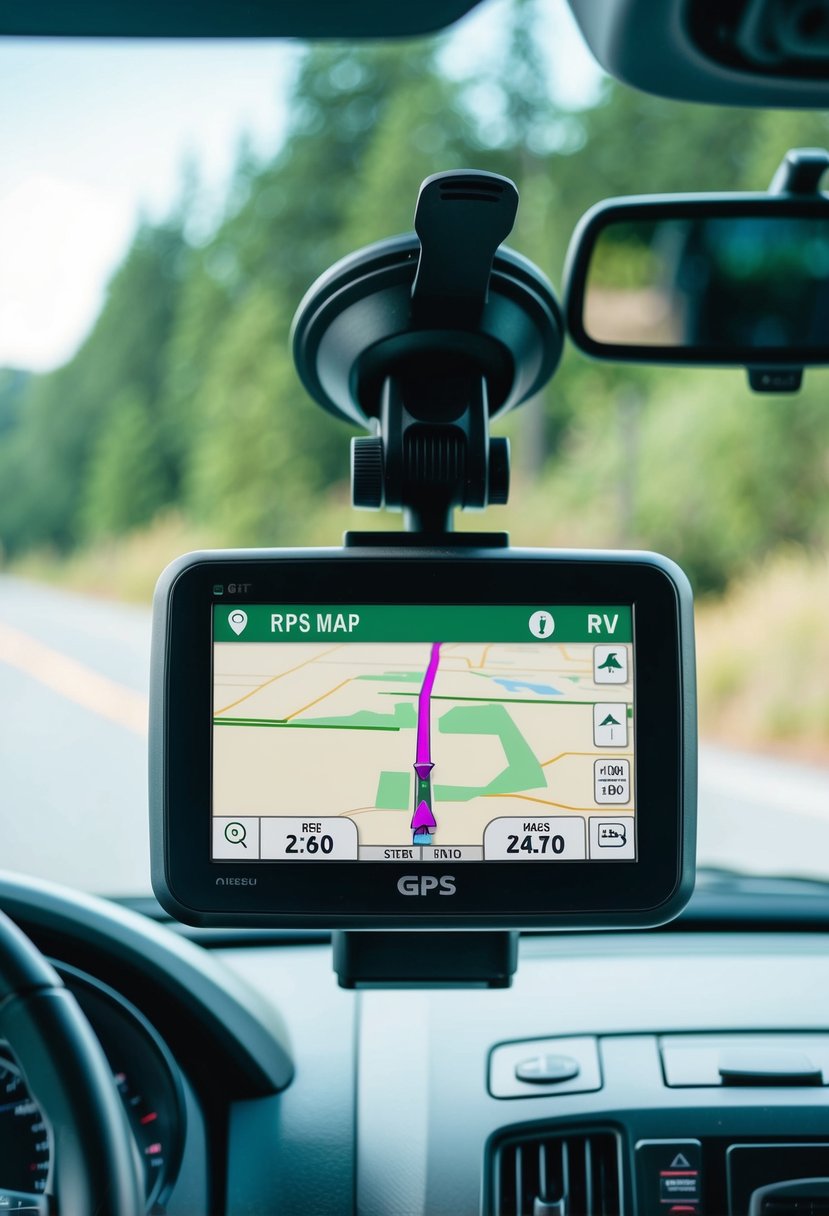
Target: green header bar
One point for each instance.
(421, 623)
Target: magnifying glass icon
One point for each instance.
(235, 833)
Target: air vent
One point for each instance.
(575, 1174)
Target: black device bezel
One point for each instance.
(363, 894)
(660, 206)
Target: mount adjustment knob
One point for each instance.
(498, 472)
(367, 472)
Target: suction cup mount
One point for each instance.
(423, 339)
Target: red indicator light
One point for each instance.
(150, 1118)
(153, 1150)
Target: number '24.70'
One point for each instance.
(545, 844)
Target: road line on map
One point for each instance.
(597, 755)
(484, 653)
(273, 679)
(312, 725)
(74, 681)
(493, 700)
(561, 805)
(311, 704)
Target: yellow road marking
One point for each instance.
(597, 755)
(73, 680)
(561, 805)
(272, 680)
(317, 700)
(484, 653)
(570, 657)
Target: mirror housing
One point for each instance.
(729, 280)
(643, 274)
(736, 280)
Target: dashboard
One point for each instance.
(430, 1135)
(669, 1071)
(148, 1080)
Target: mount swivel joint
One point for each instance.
(424, 338)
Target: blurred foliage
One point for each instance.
(183, 398)
(778, 611)
(125, 483)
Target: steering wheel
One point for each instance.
(96, 1169)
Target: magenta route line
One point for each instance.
(423, 758)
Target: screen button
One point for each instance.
(541, 624)
(612, 839)
(610, 724)
(611, 780)
(610, 664)
(453, 852)
(391, 852)
(553, 838)
(327, 838)
(235, 839)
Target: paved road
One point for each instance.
(73, 738)
(761, 815)
(73, 784)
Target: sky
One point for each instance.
(94, 135)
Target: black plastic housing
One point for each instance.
(228, 19)
(364, 894)
(355, 326)
(699, 50)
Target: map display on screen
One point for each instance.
(423, 733)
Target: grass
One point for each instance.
(123, 569)
(763, 659)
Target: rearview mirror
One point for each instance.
(723, 279)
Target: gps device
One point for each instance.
(376, 737)
(424, 729)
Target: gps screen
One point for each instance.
(423, 733)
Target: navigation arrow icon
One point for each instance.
(423, 770)
(680, 1162)
(423, 820)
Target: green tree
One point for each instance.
(13, 386)
(125, 483)
(192, 340)
(64, 412)
(423, 130)
(531, 125)
(252, 469)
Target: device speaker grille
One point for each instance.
(475, 189)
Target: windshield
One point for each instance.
(163, 208)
